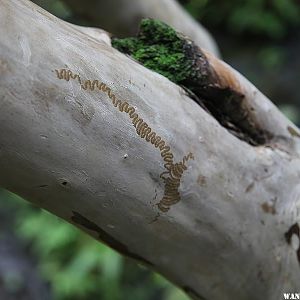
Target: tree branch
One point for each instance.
(124, 154)
(122, 17)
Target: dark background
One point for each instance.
(42, 257)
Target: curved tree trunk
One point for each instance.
(136, 163)
(122, 17)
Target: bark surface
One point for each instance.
(126, 155)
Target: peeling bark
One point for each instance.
(74, 141)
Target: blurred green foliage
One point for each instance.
(78, 267)
(268, 18)
(271, 57)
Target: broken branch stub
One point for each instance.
(210, 82)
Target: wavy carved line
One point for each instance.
(174, 171)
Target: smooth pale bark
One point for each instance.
(122, 17)
(233, 234)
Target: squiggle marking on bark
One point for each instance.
(174, 171)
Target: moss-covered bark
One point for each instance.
(161, 49)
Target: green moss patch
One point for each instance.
(161, 49)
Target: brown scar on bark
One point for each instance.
(293, 132)
(201, 180)
(3, 66)
(294, 229)
(221, 93)
(106, 237)
(268, 208)
(250, 187)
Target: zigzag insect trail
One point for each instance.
(174, 171)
